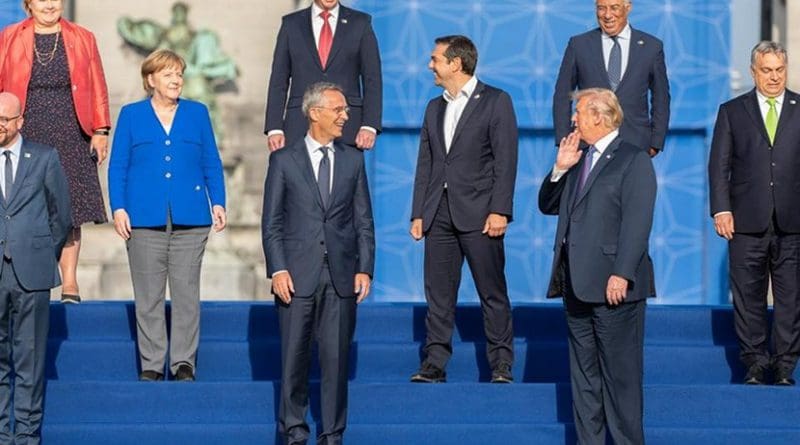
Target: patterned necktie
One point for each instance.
(325, 39)
(324, 177)
(9, 171)
(772, 120)
(587, 168)
(615, 64)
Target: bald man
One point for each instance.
(35, 219)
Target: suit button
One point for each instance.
(322, 243)
(8, 216)
(770, 184)
(773, 164)
(168, 175)
(167, 158)
(167, 142)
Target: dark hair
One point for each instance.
(463, 48)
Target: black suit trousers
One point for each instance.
(754, 258)
(330, 320)
(445, 250)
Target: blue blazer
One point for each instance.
(481, 166)
(36, 219)
(645, 124)
(297, 231)
(151, 172)
(354, 64)
(606, 227)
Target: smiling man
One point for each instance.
(754, 180)
(319, 243)
(624, 60)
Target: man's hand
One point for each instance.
(99, 143)
(416, 229)
(282, 286)
(365, 139)
(220, 218)
(569, 152)
(495, 225)
(122, 224)
(276, 141)
(616, 290)
(653, 152)
(361, 285)
(723, 223)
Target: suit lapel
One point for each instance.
(339, 167)
(308, 36)
(342, 32)
(752, 108)
(602, 161)
(597, 54)
(300, 155)
(439, 133)
(788, 111)
(634, 53)
(472, 104)
(25, 159)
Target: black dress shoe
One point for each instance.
(783, 377)
(70, 298)
(502, 373)
(429, 374)
(185, 373)
(150, 376)
(755, 375)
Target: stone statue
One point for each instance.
(208, 68)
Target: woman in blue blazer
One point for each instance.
(166, 190)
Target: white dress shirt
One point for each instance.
(624, 39)
(455, 106)
(312, 146)
(599, 148)
(16, 150)
(764, 106)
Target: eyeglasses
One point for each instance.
(337, 110)
(6, 120)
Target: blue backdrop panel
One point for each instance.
(520, 44)
(10, 12)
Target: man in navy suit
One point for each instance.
(331, 43)
(754, 178)
(462, 204)
(35, 219)
(319, 243)
(625, 60)
(604, 200)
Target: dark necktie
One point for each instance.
(615, 64)
(587, 168)
(325, 39)
(324, 177)
(9, 175)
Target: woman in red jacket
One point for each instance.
(54, 67)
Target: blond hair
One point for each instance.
(604, 103)
(158, 60)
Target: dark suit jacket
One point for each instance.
(607, 226)
(297, 231)
(36, 219)
(645, 125)
(749, 177)
(354, 64)
(481, 166)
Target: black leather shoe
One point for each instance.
(755, 375)
(783, 377)
(429, 374)
(502, 373)
(185, 373)
(70, 298)
(150, 376)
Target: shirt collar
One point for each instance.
(312, 145)
(316, 11)
(763, 99)
(605, 141)
(466, 90)
(625, 34)
(15, 148)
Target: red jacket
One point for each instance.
(89, 92)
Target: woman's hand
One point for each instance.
(122, 224)
(100, 144)
(220, 218)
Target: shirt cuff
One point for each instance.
(557, 174)
(279, 272)
(368, 128)
(727, 212)
(274, 132)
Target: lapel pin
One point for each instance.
(608, 156)
(640, 42)
(477, 96)
(792, 101)
(27, 155)
(344, 21)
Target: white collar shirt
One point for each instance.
(312, 147)
(455, 107)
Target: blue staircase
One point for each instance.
(692, 394)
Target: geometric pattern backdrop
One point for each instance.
(520, 45)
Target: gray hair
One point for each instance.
(768, 47)
(603, 102)
(315, 95)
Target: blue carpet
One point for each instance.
(690, 363)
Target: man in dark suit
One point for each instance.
(626, 60)
(35, 219)
(331, 43)
(319, 243)
(463, 198)
(604, 200)
(754, 178)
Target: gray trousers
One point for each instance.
(24, 323)
(157, 257)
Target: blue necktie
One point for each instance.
(9, 171)
(615, 64)
(587, 168)
(324, 177)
